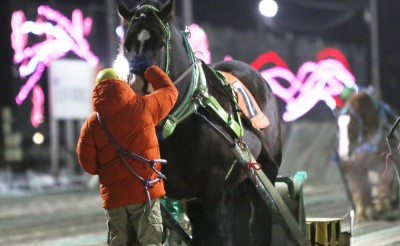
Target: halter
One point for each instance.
(165, 27)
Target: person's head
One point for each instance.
(108, 73)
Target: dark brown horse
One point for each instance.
(363, 125)
(223, 205)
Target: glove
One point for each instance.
(139, 64)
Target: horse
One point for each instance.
(222, 203)
(363, 124)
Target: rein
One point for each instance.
(165, 27)
(121, 152)
(186, 72)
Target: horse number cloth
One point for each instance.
(247, 103)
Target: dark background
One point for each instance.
(301, 29)
(320, 19)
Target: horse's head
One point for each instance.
(146, 30)
(358, 124)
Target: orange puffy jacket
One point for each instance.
(131, 120)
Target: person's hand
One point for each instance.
(139, 64)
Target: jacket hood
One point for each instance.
(111, 95)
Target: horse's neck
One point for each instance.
(180, 60)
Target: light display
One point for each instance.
(315, 81)
(60, 35)
(37, 110)
(198, 40)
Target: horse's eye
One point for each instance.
(162, 44)
(142, 16)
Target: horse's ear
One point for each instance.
(123, 10)
(166, 12)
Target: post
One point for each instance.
(54, 147)
(70, 143)
(111, 16)
(187, 9)
(374, 34)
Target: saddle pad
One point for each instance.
(246, 102)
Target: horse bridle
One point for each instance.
(165, 27)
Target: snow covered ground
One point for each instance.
(33, 182)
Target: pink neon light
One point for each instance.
(64, 36)
(228, 58)
(19, 39)
(314, 82)
(27, 87)
(38, 106)
(199, 41)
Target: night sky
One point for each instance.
(241, 14)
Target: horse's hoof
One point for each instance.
(382, 207)
(364, 214)
(362, 218)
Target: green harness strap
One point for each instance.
(230, 91)
(204, 100)
(189, 103)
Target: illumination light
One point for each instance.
(343, 122)
(268, 8)
(121, 65)
(38, 138)
(198, 40)
(120, 32)
(63, 36)
(38, 106)
(314, 82)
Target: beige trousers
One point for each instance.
(129, 226)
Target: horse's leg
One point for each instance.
(383, 195)
(261, 218)
(360, 187)
(268, 166)
(246, 218)
(195, 214)
(205, 213)
(236, 212)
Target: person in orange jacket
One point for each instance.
(128, 123)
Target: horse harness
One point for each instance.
(198, 97)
